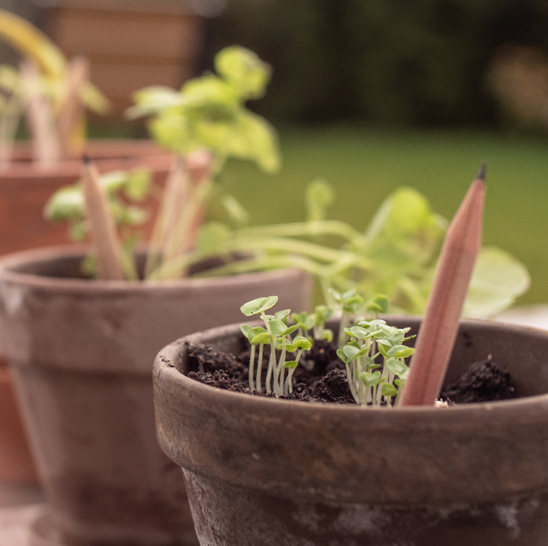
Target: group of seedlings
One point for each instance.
(373, 352)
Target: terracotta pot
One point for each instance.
(261, 471)
(24, 190)
(81, 353)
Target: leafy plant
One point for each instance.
(277, 334)
(48, 90)
(372, 382)
(396, 254)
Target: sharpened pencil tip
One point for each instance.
(481, 172)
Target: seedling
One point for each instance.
(370, 381)
(277, 334)
(363, 343)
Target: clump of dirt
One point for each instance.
(484, 381)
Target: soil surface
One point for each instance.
(326, 380)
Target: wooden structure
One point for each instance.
(130, 44)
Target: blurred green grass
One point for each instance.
(365, 164)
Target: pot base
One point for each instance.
(226, 514)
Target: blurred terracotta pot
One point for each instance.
(24, 191)
(25, 188)
(264, 472)
(81, 353)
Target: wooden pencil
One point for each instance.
(439, 327)
(103, 230)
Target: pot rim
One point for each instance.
(109, 153)
(174, 350)
(11, 262)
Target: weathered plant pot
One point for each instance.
(261, 471)
(24, 191)
(81, 353)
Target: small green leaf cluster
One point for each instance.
(126, 192)
(287, 342)
(209, 111)
(373, 352)
(373, 382)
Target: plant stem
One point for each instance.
(303, 229)
(11, 115)
(251, 368)
(440, 324)
(184, 202)
(46, 149)
(71, 125)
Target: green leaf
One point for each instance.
(278, 327)
(397, 367)
(66, 203)
(350, 352)
(244, 70)
(258, 305)
(379, 304)
(405, 226)
(246, 331)
(290, 330)
(400, 351)
(301, 342)
(497, 281)
(261, 339)
(371, 379)
(387, 389)
(137, 185)
(252, 137)
(151, 100)
(283, 314)
(291, 364)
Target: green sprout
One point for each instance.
(371, 382)
(277, 334)
(373, 352)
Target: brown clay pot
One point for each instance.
(81, 353)
(262, 472)
(25, 188)
(24, 191)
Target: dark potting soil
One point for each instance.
(326, 380)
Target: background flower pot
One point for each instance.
(25, 188)
(24, 191)
(81, 353)
(264, 472)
